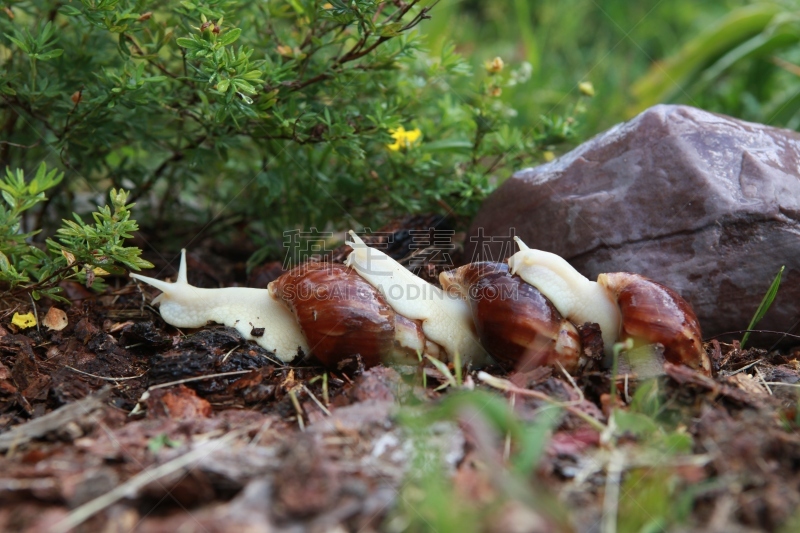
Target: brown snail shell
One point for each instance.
(516, 324)
(653, 313)
(340, 314)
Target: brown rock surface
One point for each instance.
(706, 204)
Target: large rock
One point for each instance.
(706, 204)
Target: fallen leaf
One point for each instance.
(24, 321)
(55, 319)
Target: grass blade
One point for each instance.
(441, 367)
(763, 307)
(666, 78)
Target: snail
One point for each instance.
(516, 324)
(624, 305)
(340, 314)
(521, 313)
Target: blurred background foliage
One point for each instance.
(227, 118)
(730, 56)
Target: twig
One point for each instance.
(198, 378)
(261, 432)
(507, 386)
(761, 377)
(319, 404)
(51, 421)
(225, 357)
(571, 380)
(745, 367)
(611, 498)
(15, 145)
(785, 334)
(298, 410)
(103, 377)
(139, 481)
(507, 445)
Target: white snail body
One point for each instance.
(185, 306)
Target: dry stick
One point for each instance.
(507, 386)
(225, 358)
(763, 381)
(782, 383)
(43, 425)
(298, 410)
(319, 403)
(103, 377)
(80, 514)
(198, 378)
(35, 313)
(507, 446)
(611, 498)
(745, 367)
(146, 394)
(571, 380)
(261, 432)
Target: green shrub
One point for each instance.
(83, 251)
(259, 115)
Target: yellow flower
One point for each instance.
(494, 66)
(24, 321)
(403, 138)
(586, 88)
(548, 156)
(285, 51)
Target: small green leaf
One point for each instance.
(70, 11)
(390, 30)
(223, 85)
(253, 75)
(22, 45)
(765, 304)
(230, 36)
(52, 54)
(186, 42)
(244, 87)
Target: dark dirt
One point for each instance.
(110, 406)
